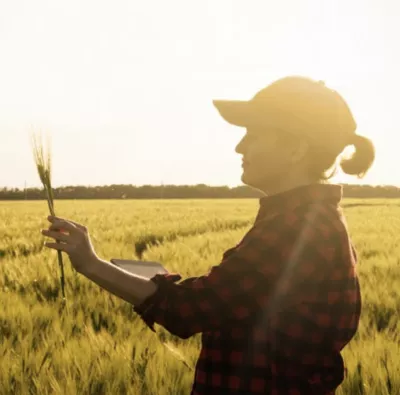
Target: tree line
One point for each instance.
(199, 191)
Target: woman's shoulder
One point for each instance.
(316, 220)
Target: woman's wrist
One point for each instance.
(91, 266)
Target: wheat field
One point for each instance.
(95, 344)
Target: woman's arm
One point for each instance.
(132, 288)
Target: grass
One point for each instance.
(99, 346)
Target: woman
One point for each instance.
(277, 311)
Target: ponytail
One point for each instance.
(361, 160)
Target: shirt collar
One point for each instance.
(302, 195)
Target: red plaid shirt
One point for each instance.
(278, 309)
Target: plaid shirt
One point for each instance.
(276, 312)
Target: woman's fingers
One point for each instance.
(82, 227)
(56, 235)
(59, 247)
(61, 223)
(52, 219)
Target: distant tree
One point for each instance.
(199, 191)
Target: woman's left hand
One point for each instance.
(73, 239)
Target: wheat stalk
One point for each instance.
(42, 158)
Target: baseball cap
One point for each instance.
(300, 106)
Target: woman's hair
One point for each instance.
(323, 165)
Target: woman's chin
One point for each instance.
(246, 179)
(251, 181)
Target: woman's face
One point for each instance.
(268, 157)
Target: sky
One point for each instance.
(125, 88)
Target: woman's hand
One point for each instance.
(74, 240)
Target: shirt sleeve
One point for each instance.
(273, 265)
